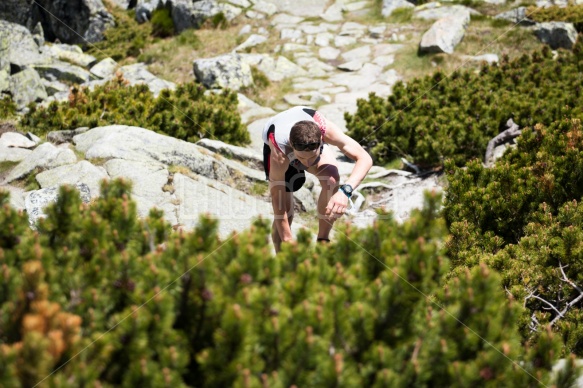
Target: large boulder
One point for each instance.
(72, 21)
(4, 72)
(36, 201)
(225, 71)
(15, 11)
(63, 71)
(556, 34)
(70, 53)
(141, 145)
(192, 14)
(389, 6)
(18, 47)
(445, 34)
(45, 156)
(26, 87)
(73, 174)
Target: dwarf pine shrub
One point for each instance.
(523, 218)
(102, 298)
(126, 39)
(572, 13)
(454, 116)
(186, 113)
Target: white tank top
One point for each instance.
(278, 128)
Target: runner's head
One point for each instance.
(306, 140)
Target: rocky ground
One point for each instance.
(329, 60)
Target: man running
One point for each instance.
(294, 142)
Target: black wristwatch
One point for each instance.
(346, 189)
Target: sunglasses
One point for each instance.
(306, 146)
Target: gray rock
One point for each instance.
(70, 53)
(304, 8)
(255, 15)
(246, 29)
(341, 41)
(63, 71)
(307, 84)
(104, 69)
(138, 74)
(251, 41)
(15, 140)
(356, 6)
(329, 53)
(283, 20)
(376, 32)
(305, 199)
(265, 7)
(225, 71)
(73, 174)
(334, 113)
(293, 47)
(556, 34)
(389, 6)
(333, 13)
(384, 60)
(229, 151)
(352, 81)
(354, 65)
(552, 3)
(255, 130)
(445, 34)
(145, 8)
(516, 16)
(45, 156)
(148, 181)
(36, 201)
(18, 47)
(309, 98)
(361, 53)
(141, 145)
(15, 11)
(188, 14)
(323, 39)
(245, 103)
(66, 136)
(442, 12)
(234, 209)
(292, 34)
(4, 72)
(315, 67)
(241, 3)
(385, 49)
(86, 20)
(355, 30)
(280, 68)
(9, 154)
(255, 113)
(17, 194)
(54, 87)
(26, 87)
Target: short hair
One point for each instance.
(304, 132)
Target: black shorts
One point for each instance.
(294, 178)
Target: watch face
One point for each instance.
(347, 188)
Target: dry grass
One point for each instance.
(483, 36)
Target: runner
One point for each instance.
(296, 141)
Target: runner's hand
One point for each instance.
(337, 206)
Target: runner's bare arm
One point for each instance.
(278, 166)
(351, 149)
